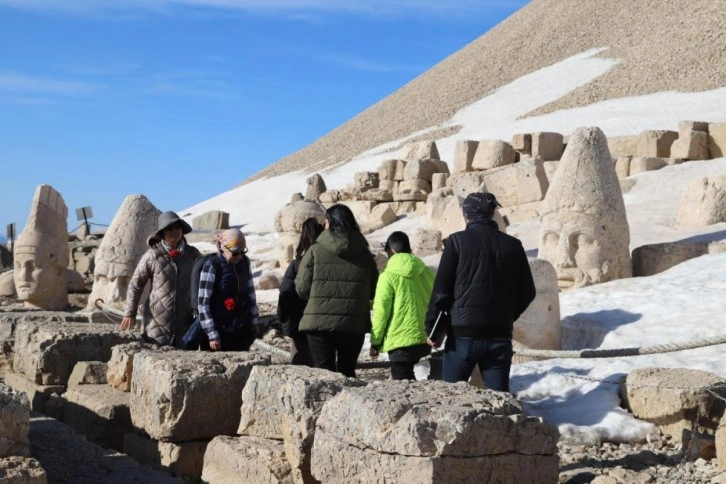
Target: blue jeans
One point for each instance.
(494, 357)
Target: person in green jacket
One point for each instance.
(337, 276)
(399, 308)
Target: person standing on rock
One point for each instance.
(337, 277)
(403, 290)
(168, 265)
(485, 284)
(228, 310)
(290, 307)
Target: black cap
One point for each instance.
(479, 206)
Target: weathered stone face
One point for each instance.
(584, 232)
(41, 253)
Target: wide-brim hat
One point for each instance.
(169, 218)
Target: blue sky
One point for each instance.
(181, 100)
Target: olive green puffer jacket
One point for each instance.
(337, 277)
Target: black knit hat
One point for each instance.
(479, 206)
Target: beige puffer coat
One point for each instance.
(167, 312)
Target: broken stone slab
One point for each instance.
(283, 402)
(338, 461)
(640, 165)
(181, 459)
(231, 460)
(691, 145)
(548, 146)
(652, 259)
(622, 166)
(424, 169)
(522, 143)
(522, 182)
(539, 325)
(438, 180)
(68, 457)
(190, 395)
(121, 364)
(421, 150)
(717, 140)
(703, 203)
(655, 144)
(434, 418)
(98, 412)
(675, 399)
(623, 146)
(46, 354)
(14, 422)
(38, 395)
(22, 470)
(88, 373)
(7, 284)
(211, 220)
(464, 151)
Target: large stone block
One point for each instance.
(283, 402)
(464, 151)
(655, 258)
(423, 169)
(421, 150)
(462, 184)
(622, 166)
(121, 364)
(46, 353)
(180, 396)
(7, 284)
(492, 154)
(231, 460)
(717, 140)
(98, 412)
(429, 424)
(180, 459)
(14, 422)
(516, 184)
(691, 145)
(387, 170)
(548, 146)
(22, 470)
(623, 146)
(88, 373)
(365, 180)
(655, 144)
(539, 326)
(640, 165)
(522, 143)
(212, 220)
(38, 395)
(675, 399)
(438, 180)
(703, 203)
(425, 242)
(337, 461)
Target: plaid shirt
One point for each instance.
(206, 287)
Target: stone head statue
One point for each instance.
(584, 231)
(41, 253)
(121, 249)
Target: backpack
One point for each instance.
(196, 276)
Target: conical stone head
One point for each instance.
(584, 230)
(121, 249)
(41, 253)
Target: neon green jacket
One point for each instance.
(399, 307)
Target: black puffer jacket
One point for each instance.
(289, 305)
(483, 281)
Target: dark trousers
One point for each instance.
(335, 351)
(403, 360)
(237, 341)
(301, 351)
(494, 357)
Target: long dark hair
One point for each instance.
(341, 219)
(311, 228)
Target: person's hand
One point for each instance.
(126, 323)
(431, 343)
(215, 345)
(374, 352)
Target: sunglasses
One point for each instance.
(236, 250)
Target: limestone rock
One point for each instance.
(522, 143)
(267, 281)
(121, 364)
(438, 180)
(46, 354)
(547, 146)
(584, 231)
(14, 422)
(427, 425)
(291, 217)
(171, 392)
(675, 399)
(425, 242)
(655, 144)
(121, 249)
(421, 150)
(721, 443)
(424, 169)
(98, 412)
(464, 152)
(523, 182)
(623, 146)
(88, 373)
(38, 395)
(231, 460)
(22, 470)
(652, 259)
(182, 459)
(365, 180)
(7, 284)
(539, 326)
(445, 215)
(316, 187)
(387, 170)
(41, 253)
(691, 145)
(622, 166)
(492, 154)
(76, 283)
(703, 203)
(211, 220)
(717, 140)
